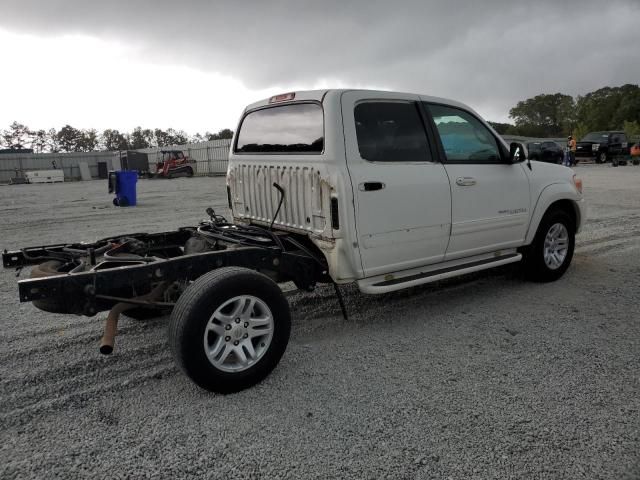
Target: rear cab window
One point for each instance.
(282, 129)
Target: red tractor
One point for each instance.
(174, 164)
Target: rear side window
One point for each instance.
(293, 128)
(391, 132)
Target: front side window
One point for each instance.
(391, 132)
(292, 128)
(464, 138)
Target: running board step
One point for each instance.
(390, 283)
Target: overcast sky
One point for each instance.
(194, 65)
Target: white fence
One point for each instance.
(211, 159)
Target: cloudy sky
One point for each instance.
(194, 65)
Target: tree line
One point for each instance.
(70, 139)
(560, 115)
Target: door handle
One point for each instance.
(371, 186)
(465, 181)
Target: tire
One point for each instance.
(195, 326)
(602, 157)
(51, 305)
(614, 163)
(537, 267)
(189, 172)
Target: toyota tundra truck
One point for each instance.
(382, 189)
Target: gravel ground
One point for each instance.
(485, 376)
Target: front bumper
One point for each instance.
(586, 153)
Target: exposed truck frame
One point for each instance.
(124, 268)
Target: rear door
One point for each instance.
(402, 195)
(490, 197)
(618, 144)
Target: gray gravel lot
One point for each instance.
(485, 376)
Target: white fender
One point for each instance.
(549, 195)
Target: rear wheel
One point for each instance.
(229, 329)
(550, 254)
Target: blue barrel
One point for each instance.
(123, 183)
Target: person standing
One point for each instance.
(571, 143)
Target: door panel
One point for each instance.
(492, 213)
(490, 198)
(406, 222)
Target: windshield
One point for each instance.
(292, 128)
(595, 137)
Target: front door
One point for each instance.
(490, 198)
(402, 195)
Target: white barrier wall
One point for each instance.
(211, 159)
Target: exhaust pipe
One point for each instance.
(111, 325)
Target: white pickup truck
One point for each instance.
(385, 189)
(399, 189)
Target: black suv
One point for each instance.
(545, 152)
(602, 146)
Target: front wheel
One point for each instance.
(550, 254)
(602, 157)
(229, 329)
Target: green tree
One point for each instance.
(221, 135)
(580, 130)
(53, 145)
(141, 138)
(69, 139)
(39, 141)
(197, 138)
(16, 136)
(609, 107)
(113, 140)
(177, 137)
(546, 115)
(632, 129)
(161, 137)
(88, 141)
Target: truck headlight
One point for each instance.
(595, 146)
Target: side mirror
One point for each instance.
(517, 153)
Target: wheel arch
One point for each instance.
(555, 196)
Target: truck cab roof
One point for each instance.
(321, 95)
